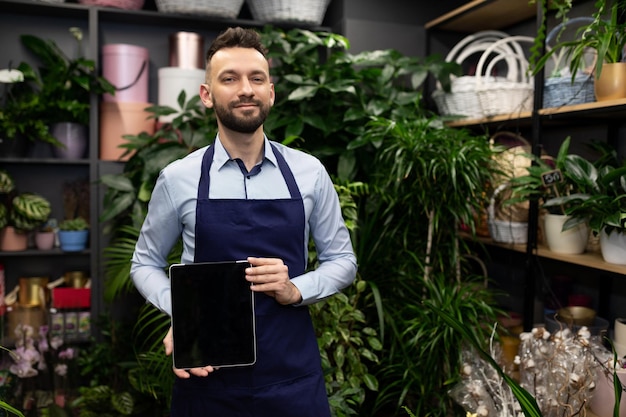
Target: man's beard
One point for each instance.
(245, 124)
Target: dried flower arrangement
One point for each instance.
(483, 391)
(558, 370)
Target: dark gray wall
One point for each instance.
(391, 24)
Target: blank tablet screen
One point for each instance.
(212, 315)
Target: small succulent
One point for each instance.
(74, 224)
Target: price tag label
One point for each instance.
(551, 177)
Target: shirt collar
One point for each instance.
(221, 157)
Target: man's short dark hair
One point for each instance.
(236, 37)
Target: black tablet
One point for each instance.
(212, 315)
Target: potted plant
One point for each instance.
(548, 179)
(73, 234)
(64, 87)
(607, 38)
(45, 236)
(18, 103)
(20, 213)
(602, 203)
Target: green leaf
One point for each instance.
(302, 93)
(117, 182)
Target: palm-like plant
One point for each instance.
(435, 173)
(428, 180)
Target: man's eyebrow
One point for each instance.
(231, 71)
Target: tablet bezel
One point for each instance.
(181, 304)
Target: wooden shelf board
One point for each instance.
(596, 109)
(520, 117)
(601, 106)
(474, 16)
(588, 259)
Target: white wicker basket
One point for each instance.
(462, 100)
(505, 231)
(513, 94)
(289, 11)
(227, 9)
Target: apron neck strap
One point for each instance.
(207, 161)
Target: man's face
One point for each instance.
(239, 89)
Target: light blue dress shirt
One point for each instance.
(172, 212)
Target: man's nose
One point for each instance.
(245, 87)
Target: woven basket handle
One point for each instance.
(552, 37)
(520, 62)
(478, 37)
(474, 43)
(508, 54)
(491, 210)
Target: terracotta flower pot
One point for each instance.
(12, 240)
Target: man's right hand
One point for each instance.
(168, 342)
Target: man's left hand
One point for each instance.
(271, 276)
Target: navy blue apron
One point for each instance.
(287, 378)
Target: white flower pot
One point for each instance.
(572, 241)
(603, 399)
(613, 247)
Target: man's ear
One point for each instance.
(205, 95)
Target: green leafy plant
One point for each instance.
(106, 364)
(603, 206)
(19, 103)
(74, 224)
(426, 180)
(561, 9)
(549, 178)
(58, 91)
(65, 84)
(347, 343)
(24, 211)
(325, 96)
(607, 37)
(435, 172)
